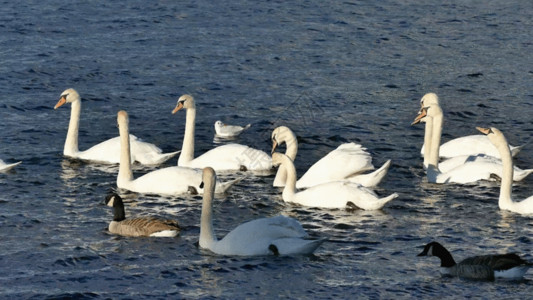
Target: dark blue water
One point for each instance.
(333, 72)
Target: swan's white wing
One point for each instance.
(166, 181)
(470, 172)
(109, 152)
(338, 194)
(486, 164)
(233, 157)
(348, 159)
(255, 237)
(469, 145)
(147, 153)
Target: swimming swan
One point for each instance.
(486, 267)
(227, 131)
(141, 226)
(230, 157)
(334, 194)
(166, 181)
(463, 169)
(107, 151)
(266, 236)
(347, 162)
(6, 167)
(506, 202)
(466, 145)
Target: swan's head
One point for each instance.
(122, 117)
(185, 101)
(280, 135)
(209, 178)
(113, 200)
(422, 115)
(494, 134)
(68, 96)
(279, 158)
(427, 112)
(429, 99)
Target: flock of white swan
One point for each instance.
(344, 178)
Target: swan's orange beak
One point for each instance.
(274, 146)
(423, 112)
(483, 130)
(61, 101)
(178, 107)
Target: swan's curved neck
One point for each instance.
(187, 149)
(290, 184)
(435, 136)
(427, 140)
(291, 150)
(292, 147)
(71, 142)
(207, 232)
(508, 172)
(124, 171)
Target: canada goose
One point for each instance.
(485, 267)
(141, 226)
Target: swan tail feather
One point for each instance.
(8, 167)
(516, 149)
(225, 186)
(372, 179)
(519, 176)
(156, 159)
(294, 246)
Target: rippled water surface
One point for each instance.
(332, 71)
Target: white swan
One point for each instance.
(266, 236)
(107, 151)
(335, 194)
(347, 162)
(227, 131)
(506, 202)
(466, 145)
(166, 181)
(230, 157)
(6, 167)
(463, 169)
(139, 226)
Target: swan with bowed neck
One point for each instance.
(6, 167)
(461, 169)
(461, 146)
(228, 131)
(335, 194)
(230, 157)
(107, 151)
(166, 181)
(139, 226)
(347, 162)
(484, 267)
(506, 201)
(266, 236)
